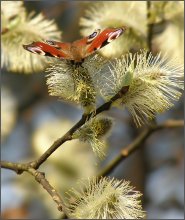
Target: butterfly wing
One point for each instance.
(77, 50)
(50, 48)
(99, 40)
(88, 45)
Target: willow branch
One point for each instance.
(31, 167)
(17, 167)
(137, 143)
(39, 177)
(68, 136)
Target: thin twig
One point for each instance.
(133, 146)
(68, 136)
(39, 177)
(19, 168)
(31, 167)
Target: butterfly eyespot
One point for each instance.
(35, 50)
(114, 35)
(77, 50)
(50, 42)
(93, 35)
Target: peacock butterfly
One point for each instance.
(77, 50)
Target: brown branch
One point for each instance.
(68, 136)
(17, 167)
(31, 167)
(39, 177)
(133, 146)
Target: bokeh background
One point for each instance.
(31, 120)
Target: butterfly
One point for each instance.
(77, 50)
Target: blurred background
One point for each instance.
(31, 120)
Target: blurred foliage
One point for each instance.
(18, 28)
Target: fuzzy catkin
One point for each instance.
(95, 132)
(84, 88)
(19, 28)
(154, 83)
(104, 199)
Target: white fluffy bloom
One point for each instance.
(75, 83)
(154, 82)
(105, 199)
(12, 8)
(60, 81)
(173, 9)
(172, 44)
(171, 40)
(117, 14)
(94, 132)
(18, 28)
